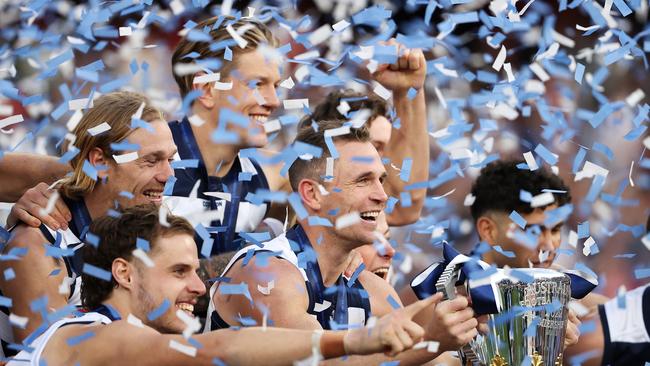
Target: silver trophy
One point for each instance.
(531, 322)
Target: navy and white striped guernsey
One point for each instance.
(32, 356)
(626, 327)
(337, 307)
(215, 202)
(70, 242)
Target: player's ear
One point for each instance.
(487, 229)
(122, 272)
(310, 194)
(208, 93)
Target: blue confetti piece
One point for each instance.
(5, 301)
(159, 311)
(97, 272)
(125, 146)
(142, 244)
(462, 18)
(356, 274)
(604, 150)
(245, 176)
(580, 71)
(522, 276)
(55, 272)
(9, 274)
(405, 172)
(583, 230)
(238, 289)
(331, 147)
(185, 163)
(594, 190)
(531, 330)
(206, 247)
(525, 196)
(601, 115)
(405, 199)
(622, 7)
(296, 204)
(641, 273)
(91, 239)
(518, 219)
(546, 154)
(412, 93)
(139, 123)
(488, 125)
(89, 170)
(393, 303)
(114, 84)
(56, 252)
(587, 327)
(168, 190)
(73, 341)
(507, 253)
(319, 221)
(635, 133)
(577, 162)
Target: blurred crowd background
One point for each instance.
(588, 103)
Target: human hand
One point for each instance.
(30, 209)
(409, 71)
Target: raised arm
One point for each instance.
(411, 140)
(19, 172)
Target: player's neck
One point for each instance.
(218, 158)
(332, 257)
(97, 204)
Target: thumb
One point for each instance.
(416, 307)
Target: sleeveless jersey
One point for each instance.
(340, 306)
(625, 328)
(69, 243)
(220, 204)
(32, 356)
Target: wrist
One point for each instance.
(334, 344)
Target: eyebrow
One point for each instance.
(159, 154)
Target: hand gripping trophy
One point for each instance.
(527, 307)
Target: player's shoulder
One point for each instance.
(25, 236)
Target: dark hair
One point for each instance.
(313, 167)
(118, 237)
(498, 186)
(187, 51)
(327, 109)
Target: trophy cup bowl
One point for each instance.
(531, 322)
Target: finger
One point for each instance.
(463, 315)
(414, 330)
(394, 346)
(459, 303)
(414, 59)
(63, 209)
(58, 217)
(24, 216)
(418, 306)
(404, 60)
(468, 325)
(405, 338)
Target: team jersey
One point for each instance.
(67, 247)
(626, 322)
(220, 204)
(32, 355)
(341, 306)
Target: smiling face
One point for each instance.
(144, 177)
(253, 95)
(173, 278)
(357, 187)
(541, 254)
(378, 256)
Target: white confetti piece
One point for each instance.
(588, 244)
(329, 169)
(125, 158)
(196, 120)
(177, 346)
(134, 320)
(573, 239)
(498, 61)
(441, 98)
(346, 220)
(589, 170)
(301, 73)
(295, 103)
(192, 324)
(341, 25)
(542, 199)
(177, 6)
(220, 195)
(339, 131)
(287, 83)
(141, 255)
(206, 78)
(578, 308)
(6, 109)
(629, 175)
(549, 53)
(365, 52)
(445, 71)
(125, 31)
(382, 91)
(240, 41)
(17, 118)
(50, 204)
(138, 113)
(635, 97)
(646, 241)
(343, 108)
(320, 35)
(360, 118)
(309, 55)
(444, 195)
(266, 290)
(74, 120)
(322, 189)
(562, 39)
(77, 104)
(222, 86)
(646, 142)
(100, 128)
(508, 69)
(272, 126)
(259, 98)
(18, 321)
(530, 161)
(181, 69)
(469, 200)
(318, 307)
(539, 71)
(431, 346)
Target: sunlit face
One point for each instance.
(356, 187)
(253, 95)
(144, 177)
(380, 132)
(540, 254)
(173, 278)
(378, 256)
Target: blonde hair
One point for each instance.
(116, 109)
(255, 34)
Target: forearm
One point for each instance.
(20, 172)
(407, 358)
(410, 141)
